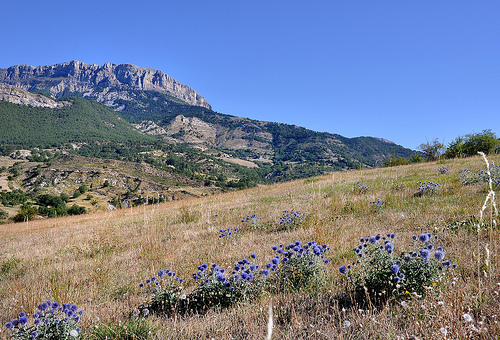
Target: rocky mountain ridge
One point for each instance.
(15, 95)
(106, 84)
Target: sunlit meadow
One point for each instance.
(98, 261)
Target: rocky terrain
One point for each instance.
(16, 95)
(105, 83)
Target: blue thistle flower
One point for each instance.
(425, 253)
(439, 255)
(395, 268)
(424, 238)
(389, 247)
(253, 256)
(34, 334)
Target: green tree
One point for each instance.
(432, 150)
(26, 213)
(471, 144)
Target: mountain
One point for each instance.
(107, 84)
(159, 106)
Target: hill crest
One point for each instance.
(105, 83)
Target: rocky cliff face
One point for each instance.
(16, 95)
(105, 83)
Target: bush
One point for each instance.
(164, 293)
(427, 188)
(471, 144)
(291, 220)
(77, 210)
(253, 221)
(296, 267)
(52, 322)
(26, 213)
(380, 275)
(467, 178)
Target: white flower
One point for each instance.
(468, 318)
(346, 324)
(74, 333)
(183, 297)
(443, 330)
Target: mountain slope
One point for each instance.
(76, 121)
(164, 109)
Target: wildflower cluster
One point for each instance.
(298, 266)
(291, 219)
(360, 188)
(382, 274)
(220, 288)
(252, 221)
(163, 291)
(52, 321)
(427, 188)
(294, 267)
(227, 232)
(443, 170)
(467, 178)
(377, 205)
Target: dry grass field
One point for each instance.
(98, 260)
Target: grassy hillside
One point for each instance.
(97, 261)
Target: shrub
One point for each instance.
(253, 221)
(52, 322)
(291, 219)
(427, 188)
(380, 274)
(215, 290)
(77, 210)
(471, 144)
(296, 267)
(26, 213)
(481, 176)
(164, 293)
(228, 232)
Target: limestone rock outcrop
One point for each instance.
(19, 96)
(105, 83)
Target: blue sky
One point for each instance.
(407, 71)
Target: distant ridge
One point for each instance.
(105, 83)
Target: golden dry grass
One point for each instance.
(97, 260)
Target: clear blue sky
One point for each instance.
(408, 71)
